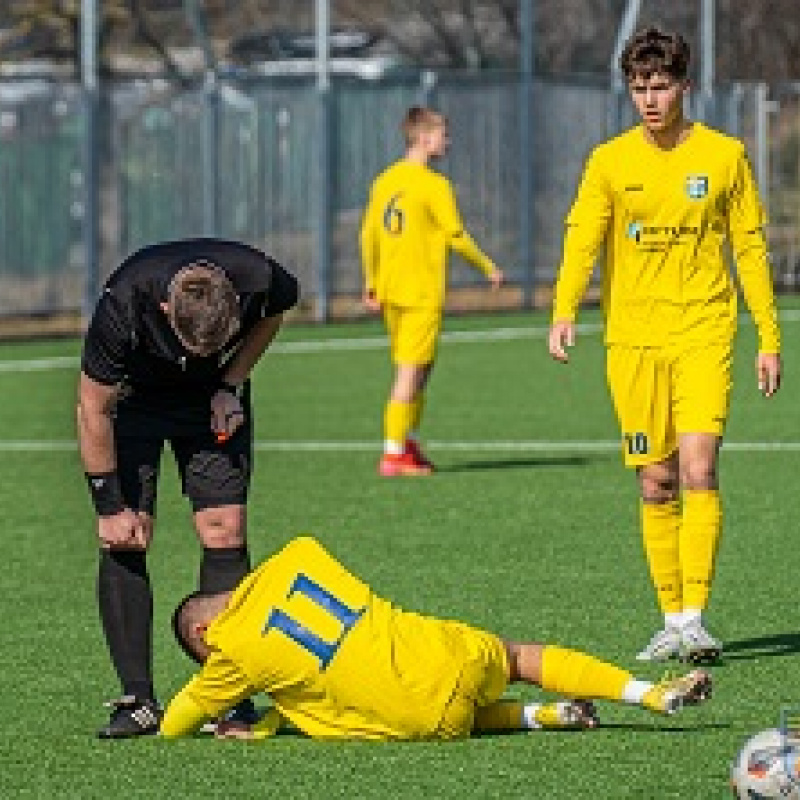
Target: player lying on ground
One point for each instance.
(340, 662)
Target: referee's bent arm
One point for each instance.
(95, 431)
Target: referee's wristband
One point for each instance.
(106, 492)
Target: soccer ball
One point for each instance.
(767, 768)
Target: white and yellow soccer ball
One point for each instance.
(767, 767)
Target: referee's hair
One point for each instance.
(203, 307)
(652, 51)
(419, 119)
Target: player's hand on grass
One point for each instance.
(768, 373)
(126, 530)
(233, 730)
(562, 335)
(370, 301)
(227, 414)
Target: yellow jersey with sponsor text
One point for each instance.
(410, 223)
(663, 218)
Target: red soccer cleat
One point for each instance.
(415, 451)
(402, 465)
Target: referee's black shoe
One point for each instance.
(131, 716)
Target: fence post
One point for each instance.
(91, 103)
(211, 152)
(324, 224)
(526, 155)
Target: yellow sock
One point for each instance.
(661, 525)
(397, 422)
(504, 715)
(699, 540)
(576, 674)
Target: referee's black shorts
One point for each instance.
(212, 474)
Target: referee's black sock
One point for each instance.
(222, 568)
(126, 611)
(220, 571)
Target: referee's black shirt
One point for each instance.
(131, 342)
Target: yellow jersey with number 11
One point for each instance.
(337, 660)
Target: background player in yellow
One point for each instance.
(663, 197)
(410, 223)
(340, 662)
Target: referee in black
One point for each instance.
(167, 358)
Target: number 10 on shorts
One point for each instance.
(637, 444)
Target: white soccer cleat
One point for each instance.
(571, 714)
(698, 646)
(672, 694)
(664, 645)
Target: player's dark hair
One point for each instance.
(195, 608)
(418, 119)
(652, 51)
(181, 622)
(203, 307)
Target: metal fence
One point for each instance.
(242, 160)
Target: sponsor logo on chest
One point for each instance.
(697, 186)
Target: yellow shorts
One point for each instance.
(660, 393)
(413, 333)
(483, 678)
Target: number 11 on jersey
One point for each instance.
(299, 633)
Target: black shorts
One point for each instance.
(212, 474)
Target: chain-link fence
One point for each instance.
(242, 160)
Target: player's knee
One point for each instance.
(699, 474)
(658, 486)
(221, 527)
(524, 661)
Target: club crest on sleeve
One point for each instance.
(697, 186)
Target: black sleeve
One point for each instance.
(284, 292)
(107, 342)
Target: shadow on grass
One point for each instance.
(656, 727)
(778, 644)
(638, 727)
(522, 463)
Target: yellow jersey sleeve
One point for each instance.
(444, 209)
(268, 725)
(215, 689)
(369, 245)
(587, 226)
(746, 220)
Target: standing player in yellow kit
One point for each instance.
(410, 223)
(340, 662)
(663, 198)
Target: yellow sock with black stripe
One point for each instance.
(699, 540)
(396, 425)
(576, 674)
(417, 407)
(661, 526)
(504, 715)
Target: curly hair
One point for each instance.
(650, 51)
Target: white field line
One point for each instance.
(343, 446)
(365, 343)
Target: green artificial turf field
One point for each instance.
(529, 528)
